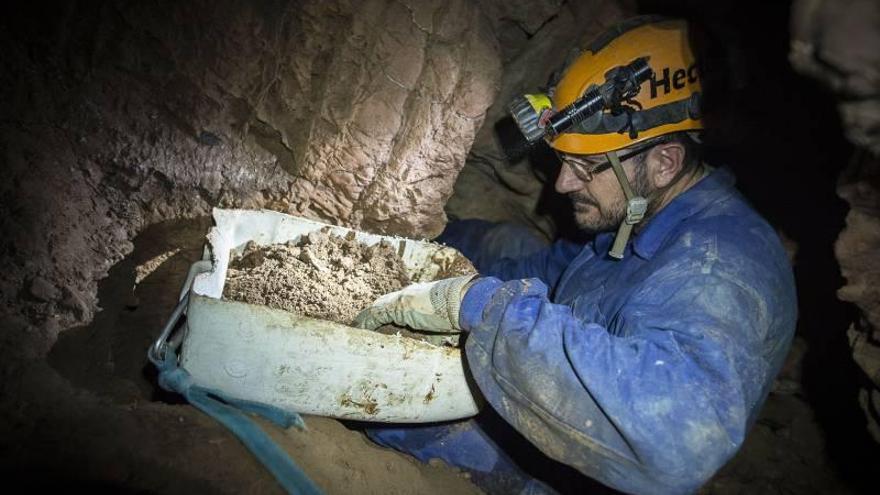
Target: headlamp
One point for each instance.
(536, 119)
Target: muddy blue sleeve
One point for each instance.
(508, 251)
(547, 264)
(654, 402)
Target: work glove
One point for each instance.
(428, 306)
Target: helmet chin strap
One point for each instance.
(636, 206)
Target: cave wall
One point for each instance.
(116, 115)
(536, 40)
(836, 43)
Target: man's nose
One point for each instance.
(567, 181)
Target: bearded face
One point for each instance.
(600, 205)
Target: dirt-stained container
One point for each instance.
(316, 366)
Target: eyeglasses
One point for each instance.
(585, 169)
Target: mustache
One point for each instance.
(582, 198)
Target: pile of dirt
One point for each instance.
(321, 275)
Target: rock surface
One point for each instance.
(837, 44)
(491, 187)
(322, 276)
(856, 250)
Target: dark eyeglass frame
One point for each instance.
(586, 172)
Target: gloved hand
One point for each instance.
(430, 306)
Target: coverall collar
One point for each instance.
(710, 189)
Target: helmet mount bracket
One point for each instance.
(537, 120)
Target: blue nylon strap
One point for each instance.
(228, 412)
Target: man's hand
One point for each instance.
(430, 306)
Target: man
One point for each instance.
(641, 358)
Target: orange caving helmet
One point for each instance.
(667, 102)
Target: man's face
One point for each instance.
(599, 203)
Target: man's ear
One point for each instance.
(665, 161)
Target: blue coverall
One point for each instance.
(643, 373)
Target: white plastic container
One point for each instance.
(316, 366)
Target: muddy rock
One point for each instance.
(836, 44)
(333, 278)
(73, 302)
(856, 250)
(41, 289)
(322, 276)
(517, 22)
(546, 34)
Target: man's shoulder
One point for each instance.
(735, 224)
(728, 237)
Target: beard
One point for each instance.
(592, 217)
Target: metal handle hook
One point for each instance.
(156, 353)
